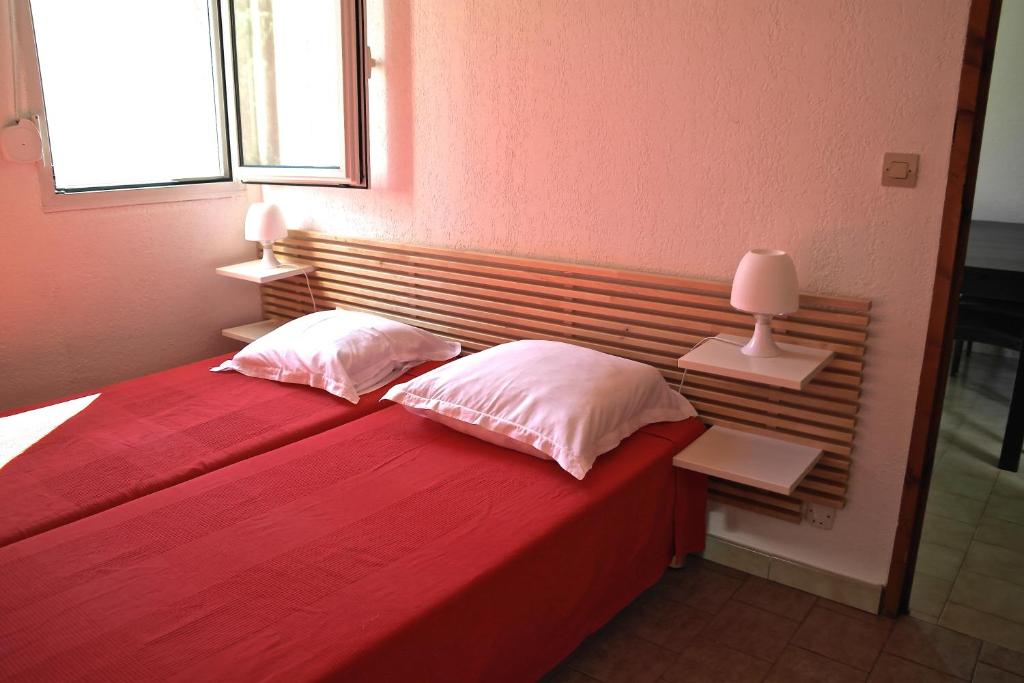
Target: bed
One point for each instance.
(389, 548)
(152, 432)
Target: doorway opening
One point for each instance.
(958, 559)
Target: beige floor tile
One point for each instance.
(986, 673)
(999, 532)
(892, 669)
(699, 587)
(613, 655)
(969, 460)
(923, 616)
(707, 662)
(947, 532)
(1001, 657)
(797, 665)
(563, 674)
(961, 483)
(663, 621)
(984, 626)
(989, 594)
(928, 595)
(851, 640)
(1005, 507)
(938, 561)
(993, 560)
(774, 597)
(1010, 484)
(955, 507)
(752, 630)
(934, 647)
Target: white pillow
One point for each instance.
(549, 399)
(346, 353)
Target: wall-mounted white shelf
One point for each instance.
(793, 369)
(252, 331)
(751, 459)
(253, 271)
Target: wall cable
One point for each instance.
(311, 297)
(700, 343)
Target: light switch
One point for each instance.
(900, 170)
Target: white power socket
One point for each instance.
(819, 515)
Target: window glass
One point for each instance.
(132, 92)
(290, 83)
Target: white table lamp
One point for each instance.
(264, 223)
(765, 285)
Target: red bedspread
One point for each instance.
(388, 549)
(156, 431)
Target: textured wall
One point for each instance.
(999, 195)
(91, 297)
(672, 136)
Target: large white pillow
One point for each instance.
(544, 398)
(346, 353)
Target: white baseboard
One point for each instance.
(842, 589)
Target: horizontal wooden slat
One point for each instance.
(445, 290)
(520, 265)
(740, 501)
(843, 384)
(777, 500)
(709, 311)
(485, 299)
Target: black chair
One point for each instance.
(987, 322)
(999, 323)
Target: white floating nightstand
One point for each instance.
(753, 459)
(252, 331)
(793, 368)
(255, 271)
(759, 461)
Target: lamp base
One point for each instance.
(761, 345)
(269, 260)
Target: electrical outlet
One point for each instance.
(819, 515)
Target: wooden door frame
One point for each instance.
(956, 218)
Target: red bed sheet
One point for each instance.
(149, 433)
(391, 548)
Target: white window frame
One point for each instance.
(355, 72)
(30, 91)
(356, 173)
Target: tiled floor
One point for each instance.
(711, 623)
(970, 569)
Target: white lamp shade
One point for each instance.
(264, 223)
(765, 283)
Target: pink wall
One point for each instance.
(91, 297)
(671, 136)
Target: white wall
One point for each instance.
(999, 194)
(91, 297)
(672, 136)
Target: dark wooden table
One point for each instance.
(994, 270)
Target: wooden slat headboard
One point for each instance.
(484, 299)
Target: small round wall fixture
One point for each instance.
(21, 142)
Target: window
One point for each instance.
(141, 96)
(300, 96)
(133, 93)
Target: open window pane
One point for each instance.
(132, 91)
(289, 73)
(300, 78)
